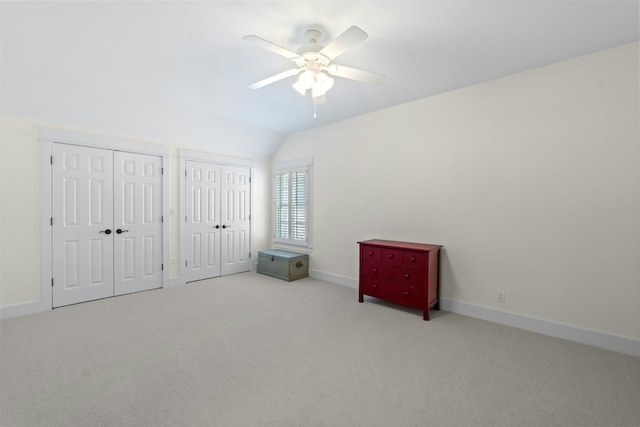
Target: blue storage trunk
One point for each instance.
(284, 265)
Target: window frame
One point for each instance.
(289, 167)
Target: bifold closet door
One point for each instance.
(217, 199)
(106, 223)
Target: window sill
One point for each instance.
(301, 248)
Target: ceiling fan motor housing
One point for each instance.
(310, 51)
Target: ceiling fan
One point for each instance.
(314, 66)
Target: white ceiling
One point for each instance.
(166, 61)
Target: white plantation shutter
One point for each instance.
(291, 202)
(298, 206)
(282, 205)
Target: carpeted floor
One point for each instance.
(250, 350)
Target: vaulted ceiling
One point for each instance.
(108, 64)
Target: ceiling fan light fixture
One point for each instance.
(322, 85)
(306, 79)
(299, 87)
(316, 81)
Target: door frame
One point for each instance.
(204, 157)
(49, 136)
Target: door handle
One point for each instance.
(119, 231)
(217, 225)
(107, 231)
(226, 226)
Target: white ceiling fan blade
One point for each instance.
(270, 46)
(351, 37)
(356, 74)
(273, 79)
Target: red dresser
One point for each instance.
(401, 272)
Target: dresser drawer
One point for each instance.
(413, 259)
(370, 286)
(370, 254)
(375, 271)
(411, 296)
(374, 288)
(406, 276)
(392, 256)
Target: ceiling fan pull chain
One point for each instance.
(314, 108)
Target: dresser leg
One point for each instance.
(360, 299)
(425, 316)
(437, 306)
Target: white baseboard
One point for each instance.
(20, 310)
(546, 327)
(333, 278)
(541, 326)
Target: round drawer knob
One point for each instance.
(375, 270)
(370, 253)
(374, 286)
(406, 275)
(413, 259)
(390, 256)
(406, 293)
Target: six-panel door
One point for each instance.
(82, 208)
(137, 226)
(203, 226)
(235, 206)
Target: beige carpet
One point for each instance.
(249, 350)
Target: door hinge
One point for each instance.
(161, 171)
(51, 159)
(162, 267)
(185, 263)
(249, 180)
(249, 217)
(249, 254)
(185, 174)
(51, 222)
(185, 218)
(161, 218)
(52, 282)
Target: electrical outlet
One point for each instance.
(502, 296)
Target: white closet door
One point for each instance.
(82, 191)
(235, 207)
(137, 227)
(202, 220)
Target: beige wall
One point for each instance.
(531, 183)
(20, 205)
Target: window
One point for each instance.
(292, 207)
